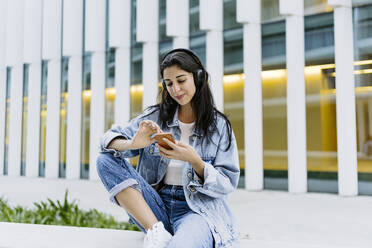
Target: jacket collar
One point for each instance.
(175, 122)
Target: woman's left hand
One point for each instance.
(180, 151)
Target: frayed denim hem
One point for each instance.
(121, 186)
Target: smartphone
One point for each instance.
(159, 138)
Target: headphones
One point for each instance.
(199, 74)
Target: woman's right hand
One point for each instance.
(143, 136)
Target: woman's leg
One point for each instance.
(129, 190)
(191, 231)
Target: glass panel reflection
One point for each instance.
(24, 118)
(7, 107)
(85, 117)
(43, 114)
(63, 118)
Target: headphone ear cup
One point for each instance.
(200, 77)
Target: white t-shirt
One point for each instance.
(173, 175)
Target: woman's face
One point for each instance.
(180, 84)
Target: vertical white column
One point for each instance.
(33, 121)
(3, 17)
(211, 20)
(14, 54)
(52, 30)
(95, 15)
(178, 22)
(73, 47)
(296, 102)
(2, 115)
(120, 31)
(32, 56)
(249, 13)
(345, 98)
(148, 33)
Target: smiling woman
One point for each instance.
(174, 190)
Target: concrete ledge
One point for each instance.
(268, 218)
(48, 236)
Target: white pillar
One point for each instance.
(249, 13)
(3, 17)
(72, 47)
(15, 121)
(296, 99)
(120, 31)
(95, 19)
(122, 85)
(14, 54)
(32, 56)
(33, 121)
(211, 20)
(51, 51)
(345, 98)
(2, 115)
(148, 33)
(53, 119)
(178, 22)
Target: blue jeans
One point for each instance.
(188, 228)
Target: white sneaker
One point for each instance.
(157, 237)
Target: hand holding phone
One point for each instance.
(159, 138)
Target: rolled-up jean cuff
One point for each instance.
(121, 186)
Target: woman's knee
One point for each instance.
(105, 161)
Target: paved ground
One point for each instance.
(267, 219)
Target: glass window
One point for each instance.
(63, 118)
(194, 18)
(362, 17)
(110, 89)
(163, 22)
(85, 116)
(197, 36)
(24, 118)
(43, 115)
(270, 10)
(229, 15)
(7, 107)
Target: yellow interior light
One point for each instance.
(87, 94)
(233, 79)
(136, 89)
(273, 74)
(363, 62)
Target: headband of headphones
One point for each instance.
(187, 51)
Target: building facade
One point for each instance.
(69, 69)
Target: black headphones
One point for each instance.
(199, 74)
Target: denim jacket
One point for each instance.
(221, 171)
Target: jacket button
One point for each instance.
(189, 175)
(192, 188)
(202, 211)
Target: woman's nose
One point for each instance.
(176, 88)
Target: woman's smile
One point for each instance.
(179, 97)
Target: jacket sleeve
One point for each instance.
(221, 176)
(120, 132)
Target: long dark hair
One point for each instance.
(202, 103)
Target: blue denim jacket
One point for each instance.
(221, 171)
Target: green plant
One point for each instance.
(61, 213)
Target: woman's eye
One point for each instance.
(182, 81)
(169, 85)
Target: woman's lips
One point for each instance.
(180, 96)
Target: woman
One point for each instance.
(176, 196)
